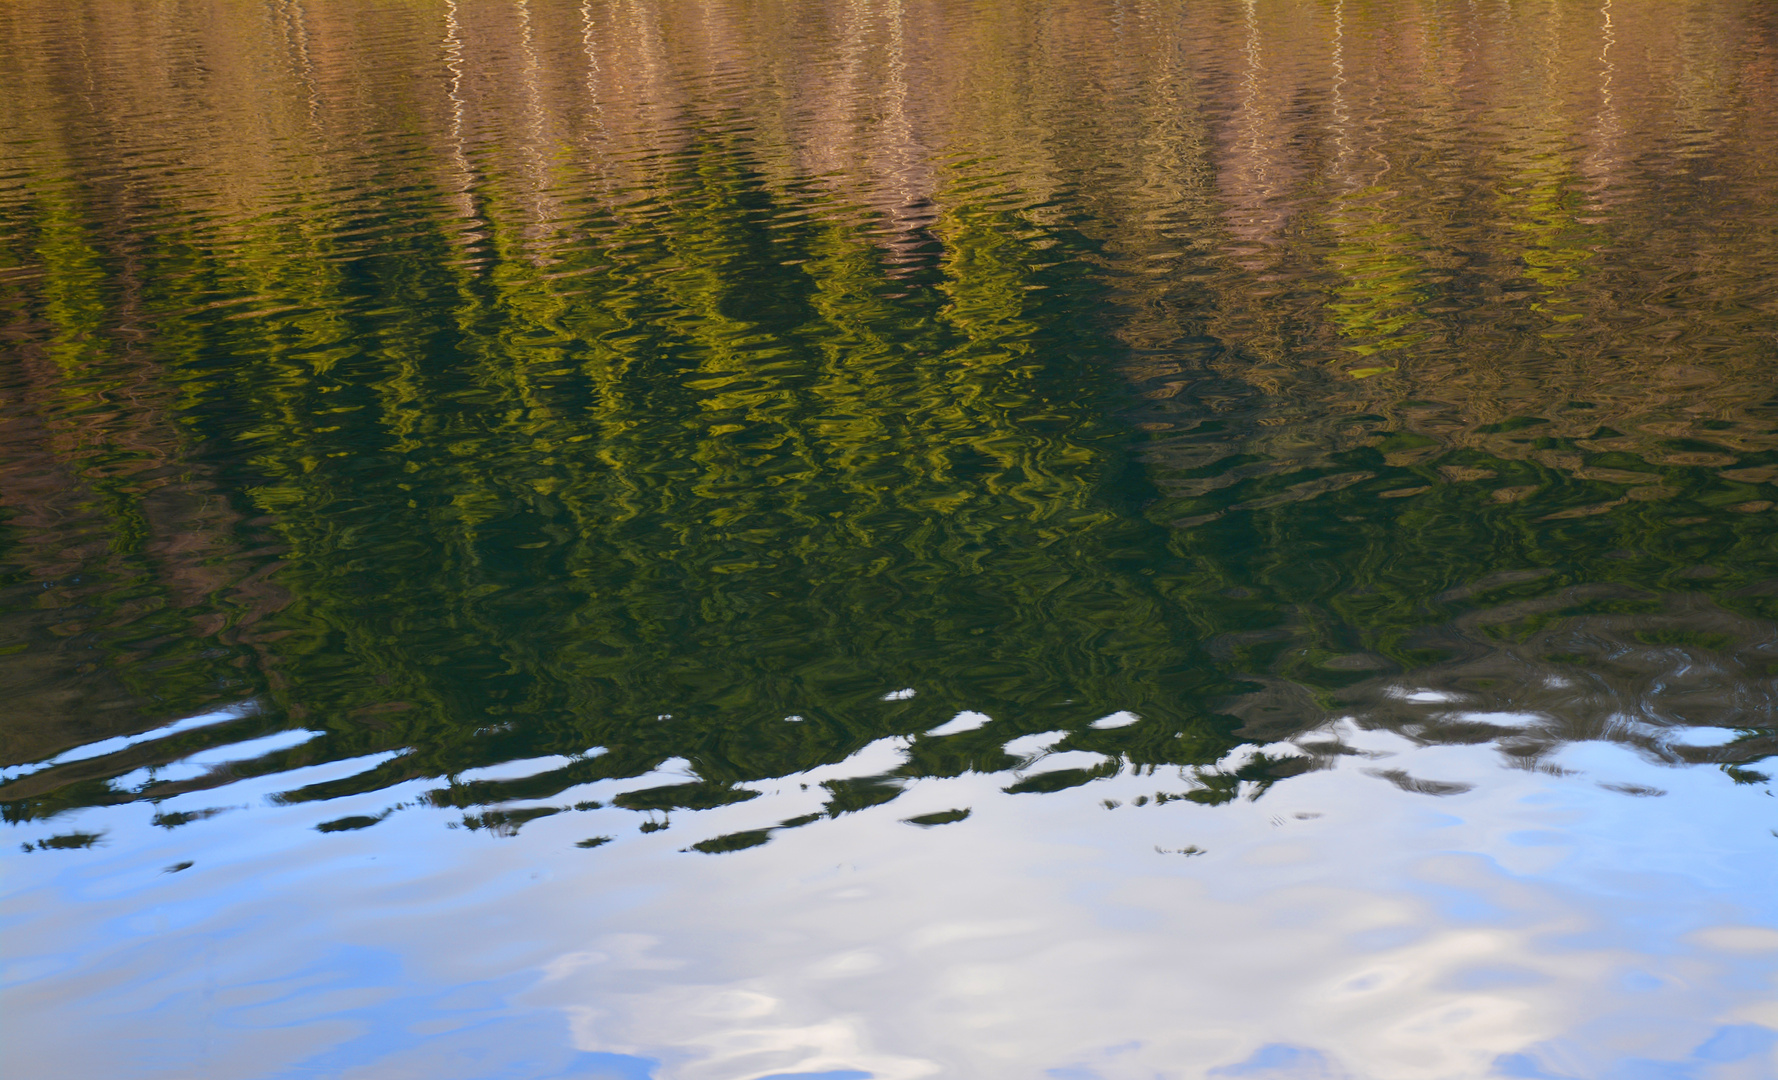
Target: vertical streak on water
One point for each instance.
(597, 138)
(1375, 121)
(845, 111)
(898, 138)
(86, 69)
(1250, 84)
(299, 25)
(1601, 162)
(1251, 211)
(1341, 115)
(541, 213)
(464, 188)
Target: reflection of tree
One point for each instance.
(120, 554)
(708, 467)
(800, 389)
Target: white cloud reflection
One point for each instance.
(1536, 926)
(1345, 924)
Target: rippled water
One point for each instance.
(725, 540)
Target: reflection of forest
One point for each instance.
(498, 381)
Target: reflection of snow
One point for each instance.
(1430, 915)
(518, 767)
(1027, 747)
(1536, 924)
(1700, 736)
(1421, 696)
(1391, 937)
(124, 742)
(967, 720)
(1066, 759)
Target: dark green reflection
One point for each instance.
(711, 468)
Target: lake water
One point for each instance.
(553, 540)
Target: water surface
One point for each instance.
(664, 539)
